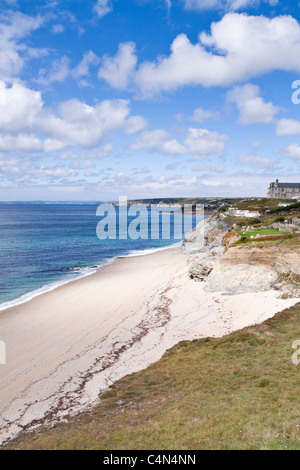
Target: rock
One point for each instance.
(246, 269)
(207, 235)
(198, 272)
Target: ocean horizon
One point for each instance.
(43, 246)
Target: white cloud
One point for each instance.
(44, 172)
(135, 124)
(158, 140)
(202, 142)
(14, 27)
(82, 69)
(224, 4)
(23, 116)
(291, 151)
(103, 152)
(200, 115)
(59, 71)
(255, 162)
(118, 70)
(253, 109)
(199, 142)
(19, 108)
(239, 47)
(288, 127)
(102, 7)
(21, 143)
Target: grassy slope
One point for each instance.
(237, 392)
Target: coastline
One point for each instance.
(68, 345)
(89, 271)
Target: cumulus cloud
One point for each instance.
(83, 68)
(199, 142)
(158, 140)
(23, 116)
(253, 109)
(21, 142)
(200, 115)
(59, 71)
(238, 48)
(14, 28)
(102, 8)
(118, 71)
(202, 142)
(288, 127)
(291, 151)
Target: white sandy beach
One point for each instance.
(68, 345)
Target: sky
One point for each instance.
(148, 98)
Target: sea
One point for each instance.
(43, 246)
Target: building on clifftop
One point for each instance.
(284, 190)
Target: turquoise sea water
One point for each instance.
(43, 246)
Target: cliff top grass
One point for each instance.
(262, 203)
(282, 240)
(236, 392)
(259, 231)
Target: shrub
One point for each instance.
(253, 221)
(224, 209)
(280, 219)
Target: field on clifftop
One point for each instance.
(237, 392)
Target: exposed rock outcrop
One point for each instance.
(255, 269)
(199, 272)
(207, 235)
(240, 269)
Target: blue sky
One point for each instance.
(147, 98)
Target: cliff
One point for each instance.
(206, 236)
(240, 269)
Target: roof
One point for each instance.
(287, 185)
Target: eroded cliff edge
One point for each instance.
(240, 269)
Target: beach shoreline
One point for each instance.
(65, 347)
(82, 273)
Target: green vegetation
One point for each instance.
(224, 209)
(261, 203)
(285, 209)
(270, 240)
(236, 392)
(259, 231)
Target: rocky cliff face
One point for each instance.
(255, 269)
(240, 269)
(206, 236)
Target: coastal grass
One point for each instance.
(259, 231)
(236, 392)
(262, 203)
(282, 240)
